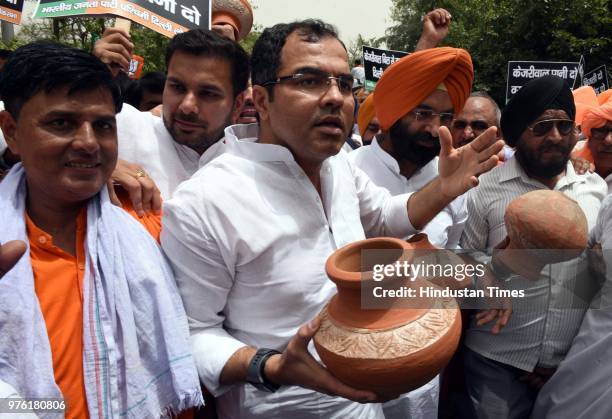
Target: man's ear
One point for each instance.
(261, 100)
(9, 129)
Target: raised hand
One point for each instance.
(114, 49)
(459, 168)
(436, 25)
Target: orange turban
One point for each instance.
(596, 117)
(604, 97)
(410, 80)
(366, 113)
(584, 98)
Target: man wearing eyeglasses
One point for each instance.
(504, 371)
(404, 157)
(249, 249)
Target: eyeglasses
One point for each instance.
(600, 133)
(427, 115)
(475, 126)
(316, 83)
(564, 126)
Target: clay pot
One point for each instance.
(388, 351)
(545, 220)
(236, 13)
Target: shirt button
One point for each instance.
(42, 239)
(81, 266)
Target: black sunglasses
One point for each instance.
(476, 126)
(564, 126)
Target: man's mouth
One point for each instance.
(76, 165)
(332, 124)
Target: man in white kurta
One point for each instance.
(249, 233)
(249, 253)
(206, 73)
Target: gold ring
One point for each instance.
(140, 173)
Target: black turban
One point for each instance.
(537, 96)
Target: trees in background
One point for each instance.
(498, 31)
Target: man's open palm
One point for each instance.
(459, 168)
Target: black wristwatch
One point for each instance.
(255, 372)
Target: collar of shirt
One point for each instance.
(427, 172)
(243, 141)
(512, 169)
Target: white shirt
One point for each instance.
(608, 180)
(581, 388)
(248, 236)
(144, 140)
(444, 230)
(542, 326)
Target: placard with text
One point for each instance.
(167, 17)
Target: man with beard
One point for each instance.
(504, 371)
(249, 247)
(404, 157)
(206, 74)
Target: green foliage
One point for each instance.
(495, 32)
(354, 47)
(249, 41)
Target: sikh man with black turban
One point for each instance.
(505, 371)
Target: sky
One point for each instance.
(369, 18)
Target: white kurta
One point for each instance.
(144, 140)
(581, 387)
(248, 236)
(445, 229)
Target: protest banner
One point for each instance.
(11, 10)
(597, 79)
(167, 17)
(521, 72)
(375, 61)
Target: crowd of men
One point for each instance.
(152, 261)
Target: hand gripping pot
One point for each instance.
(388, 351)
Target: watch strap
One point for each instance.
(255, 371)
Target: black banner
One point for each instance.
(521, 72)
(375, 61)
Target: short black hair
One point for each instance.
(150, 82)
(266, 56)
(47, 66)
(202, 42)
(5, 53)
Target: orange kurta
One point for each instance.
(58, 280)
